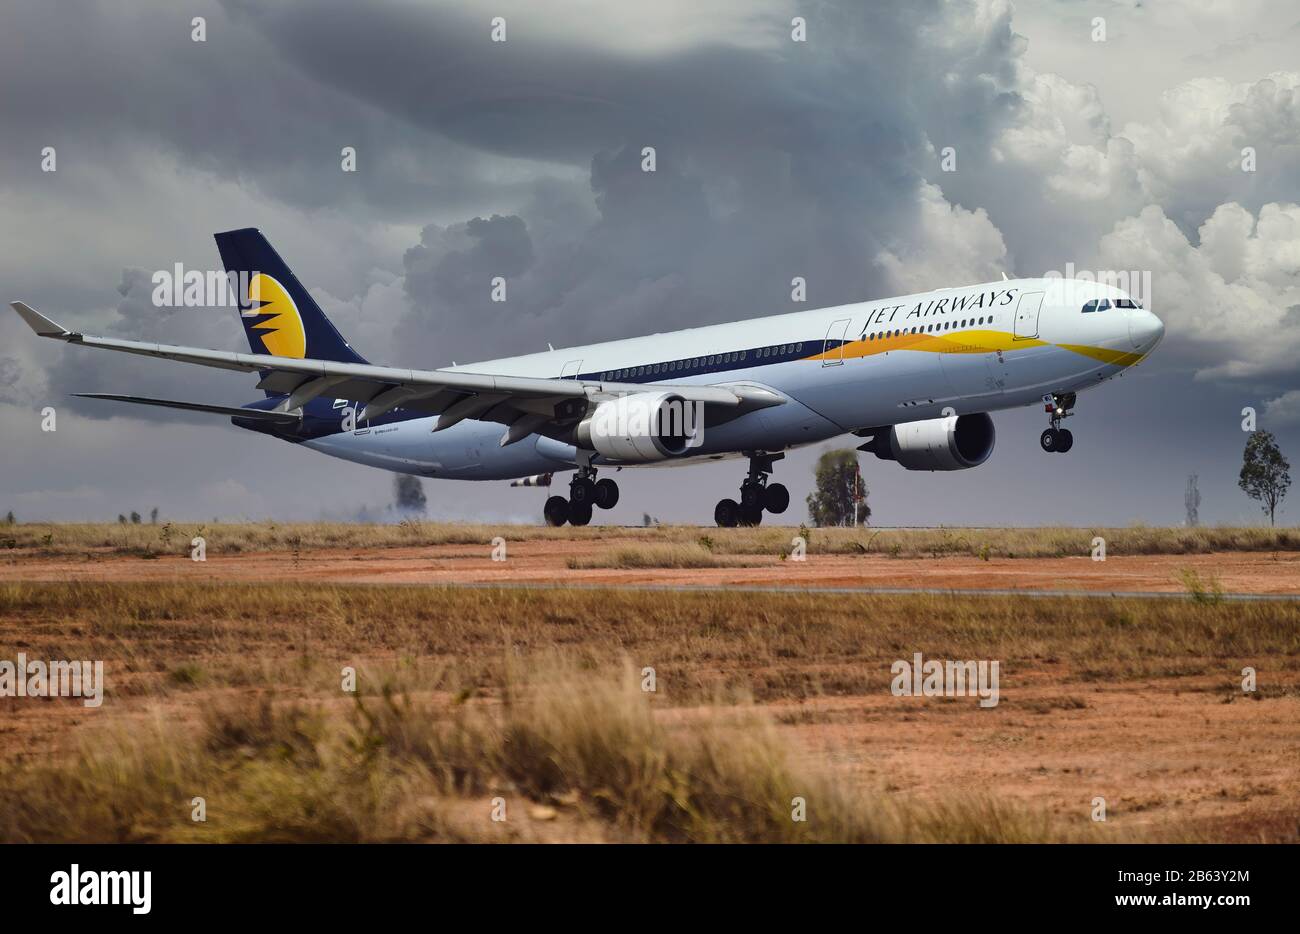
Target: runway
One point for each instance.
(864, 591)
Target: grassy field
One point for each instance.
(534, 698)
(233, 539)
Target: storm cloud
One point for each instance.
(826, 159)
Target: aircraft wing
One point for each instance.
(525, 404)
(253, 415)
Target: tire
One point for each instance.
(751, 515)
(776, 499)
(606, 493)
(751, 495)
(727, 513)
(556, 511)
(579, 513)
(582, 491)
(1049, 440)
(1066, 441)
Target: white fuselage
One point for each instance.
(979, 348)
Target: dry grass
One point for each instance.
(170, 636)
(589, 750)
(174, 538)
(661, 555)
(232, 692)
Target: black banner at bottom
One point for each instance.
(730, 883)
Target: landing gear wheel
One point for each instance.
(727, 513)
(582, 490)
(751, 496)
(579, 513)
(751, 515)
(776, 499)
(556, 511)
(606, 493)
(1057, 440)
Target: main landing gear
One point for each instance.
(756, 495)
(1056, 439)
(584, 492)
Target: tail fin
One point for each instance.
(280, 317)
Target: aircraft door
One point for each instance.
(1027, 309)
(833, 346)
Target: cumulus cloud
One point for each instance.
(1233, 301)
(953, 245)
(1191, 158)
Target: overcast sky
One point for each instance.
(521, 159)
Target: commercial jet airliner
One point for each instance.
(912, 377)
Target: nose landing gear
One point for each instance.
(756, 495)
(1057, 440)
(585, 492)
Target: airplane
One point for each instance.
(914, 377)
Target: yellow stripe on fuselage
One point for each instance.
(1104, 354)
(977, 341)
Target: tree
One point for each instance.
(841, 495)
(153, 516)
(135, 517)
(409, 493)
(1192, 500)
(9, 518)
(1265, 473)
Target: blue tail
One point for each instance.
(280, 317)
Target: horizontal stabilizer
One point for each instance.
(279, 418)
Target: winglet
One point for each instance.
(38, 322)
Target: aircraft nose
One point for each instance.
(1145, 330)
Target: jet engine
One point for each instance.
(952, 443)
(641, 427)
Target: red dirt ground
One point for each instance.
(545, 562)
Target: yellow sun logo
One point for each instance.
(277, 322)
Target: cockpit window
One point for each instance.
(1090, 306)
(1127, 303)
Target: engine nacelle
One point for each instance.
(641, 427)
(953, 443)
